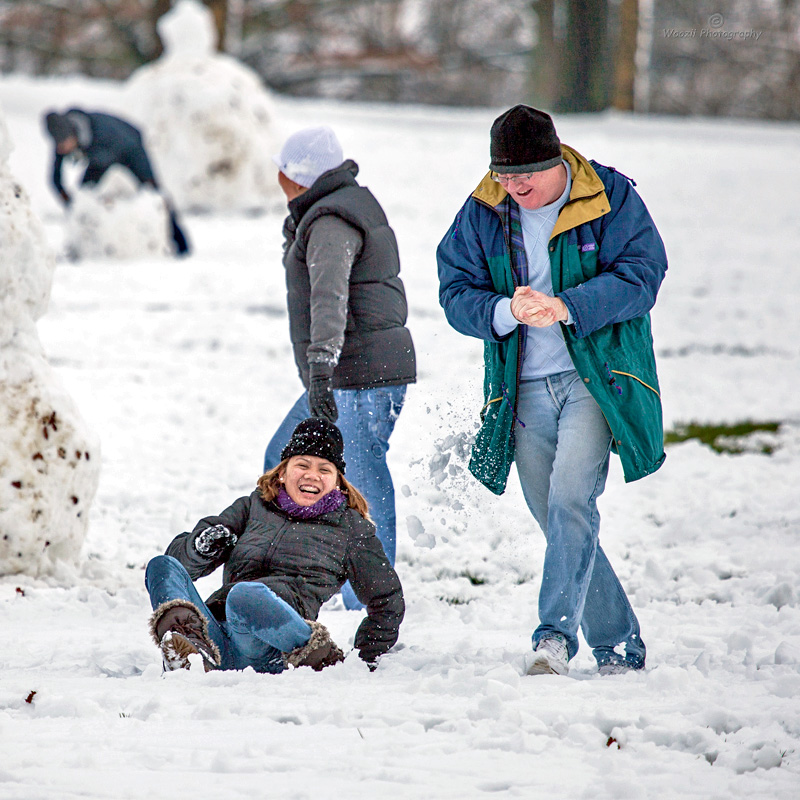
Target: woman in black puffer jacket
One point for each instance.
(286, 549)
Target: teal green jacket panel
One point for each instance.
(617, 364)
(493, 449)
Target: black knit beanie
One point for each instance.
(60, 127)
(524, 140)
(317, 437)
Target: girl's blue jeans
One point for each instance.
(562, 456)
(260, 627)
(366, 420)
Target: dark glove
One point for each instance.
(321, 402)
(370, 660)
(213, 542)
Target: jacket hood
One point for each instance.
(587, 197)
(82, 124)
(330, 181)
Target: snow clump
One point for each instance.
(117, 219)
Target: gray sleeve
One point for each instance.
(333, 246)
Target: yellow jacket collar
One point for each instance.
(587, 196)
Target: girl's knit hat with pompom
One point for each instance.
(317, 437)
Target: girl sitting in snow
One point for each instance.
(286, 549)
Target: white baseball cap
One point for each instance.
(308, 153)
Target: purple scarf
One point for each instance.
(329, 502)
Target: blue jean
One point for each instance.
(366, 420)
(260, 627)
(562, 456)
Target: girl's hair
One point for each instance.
(269, 484)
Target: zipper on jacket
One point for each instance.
(646, 385)
(520, 347)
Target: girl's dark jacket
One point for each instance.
(305, 562)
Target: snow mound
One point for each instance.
(117, 219)
(209, 121)
(49, 461)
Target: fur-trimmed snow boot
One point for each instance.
(180, 630)
(318, 652)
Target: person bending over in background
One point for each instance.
(285, 550)
(103, 140)
(347, 315)
(555, 262)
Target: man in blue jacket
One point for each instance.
(555, 262)
(103, 140)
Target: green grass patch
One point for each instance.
(455, 601)
(741, 437)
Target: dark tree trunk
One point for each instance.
(585, 66)
(625, 58)
(545, 61)
(570, 68)
(219, 9)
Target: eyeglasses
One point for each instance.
(504, 180)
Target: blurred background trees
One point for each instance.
(664, 56)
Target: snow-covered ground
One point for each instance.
(183, 369)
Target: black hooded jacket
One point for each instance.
(305, 562)
(347, 303)
(105, 140)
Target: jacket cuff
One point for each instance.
(573, 318)
(320, 369)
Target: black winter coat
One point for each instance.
(305, 562)
(106, 140)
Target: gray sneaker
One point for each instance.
(616, 668)
(550, 657)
